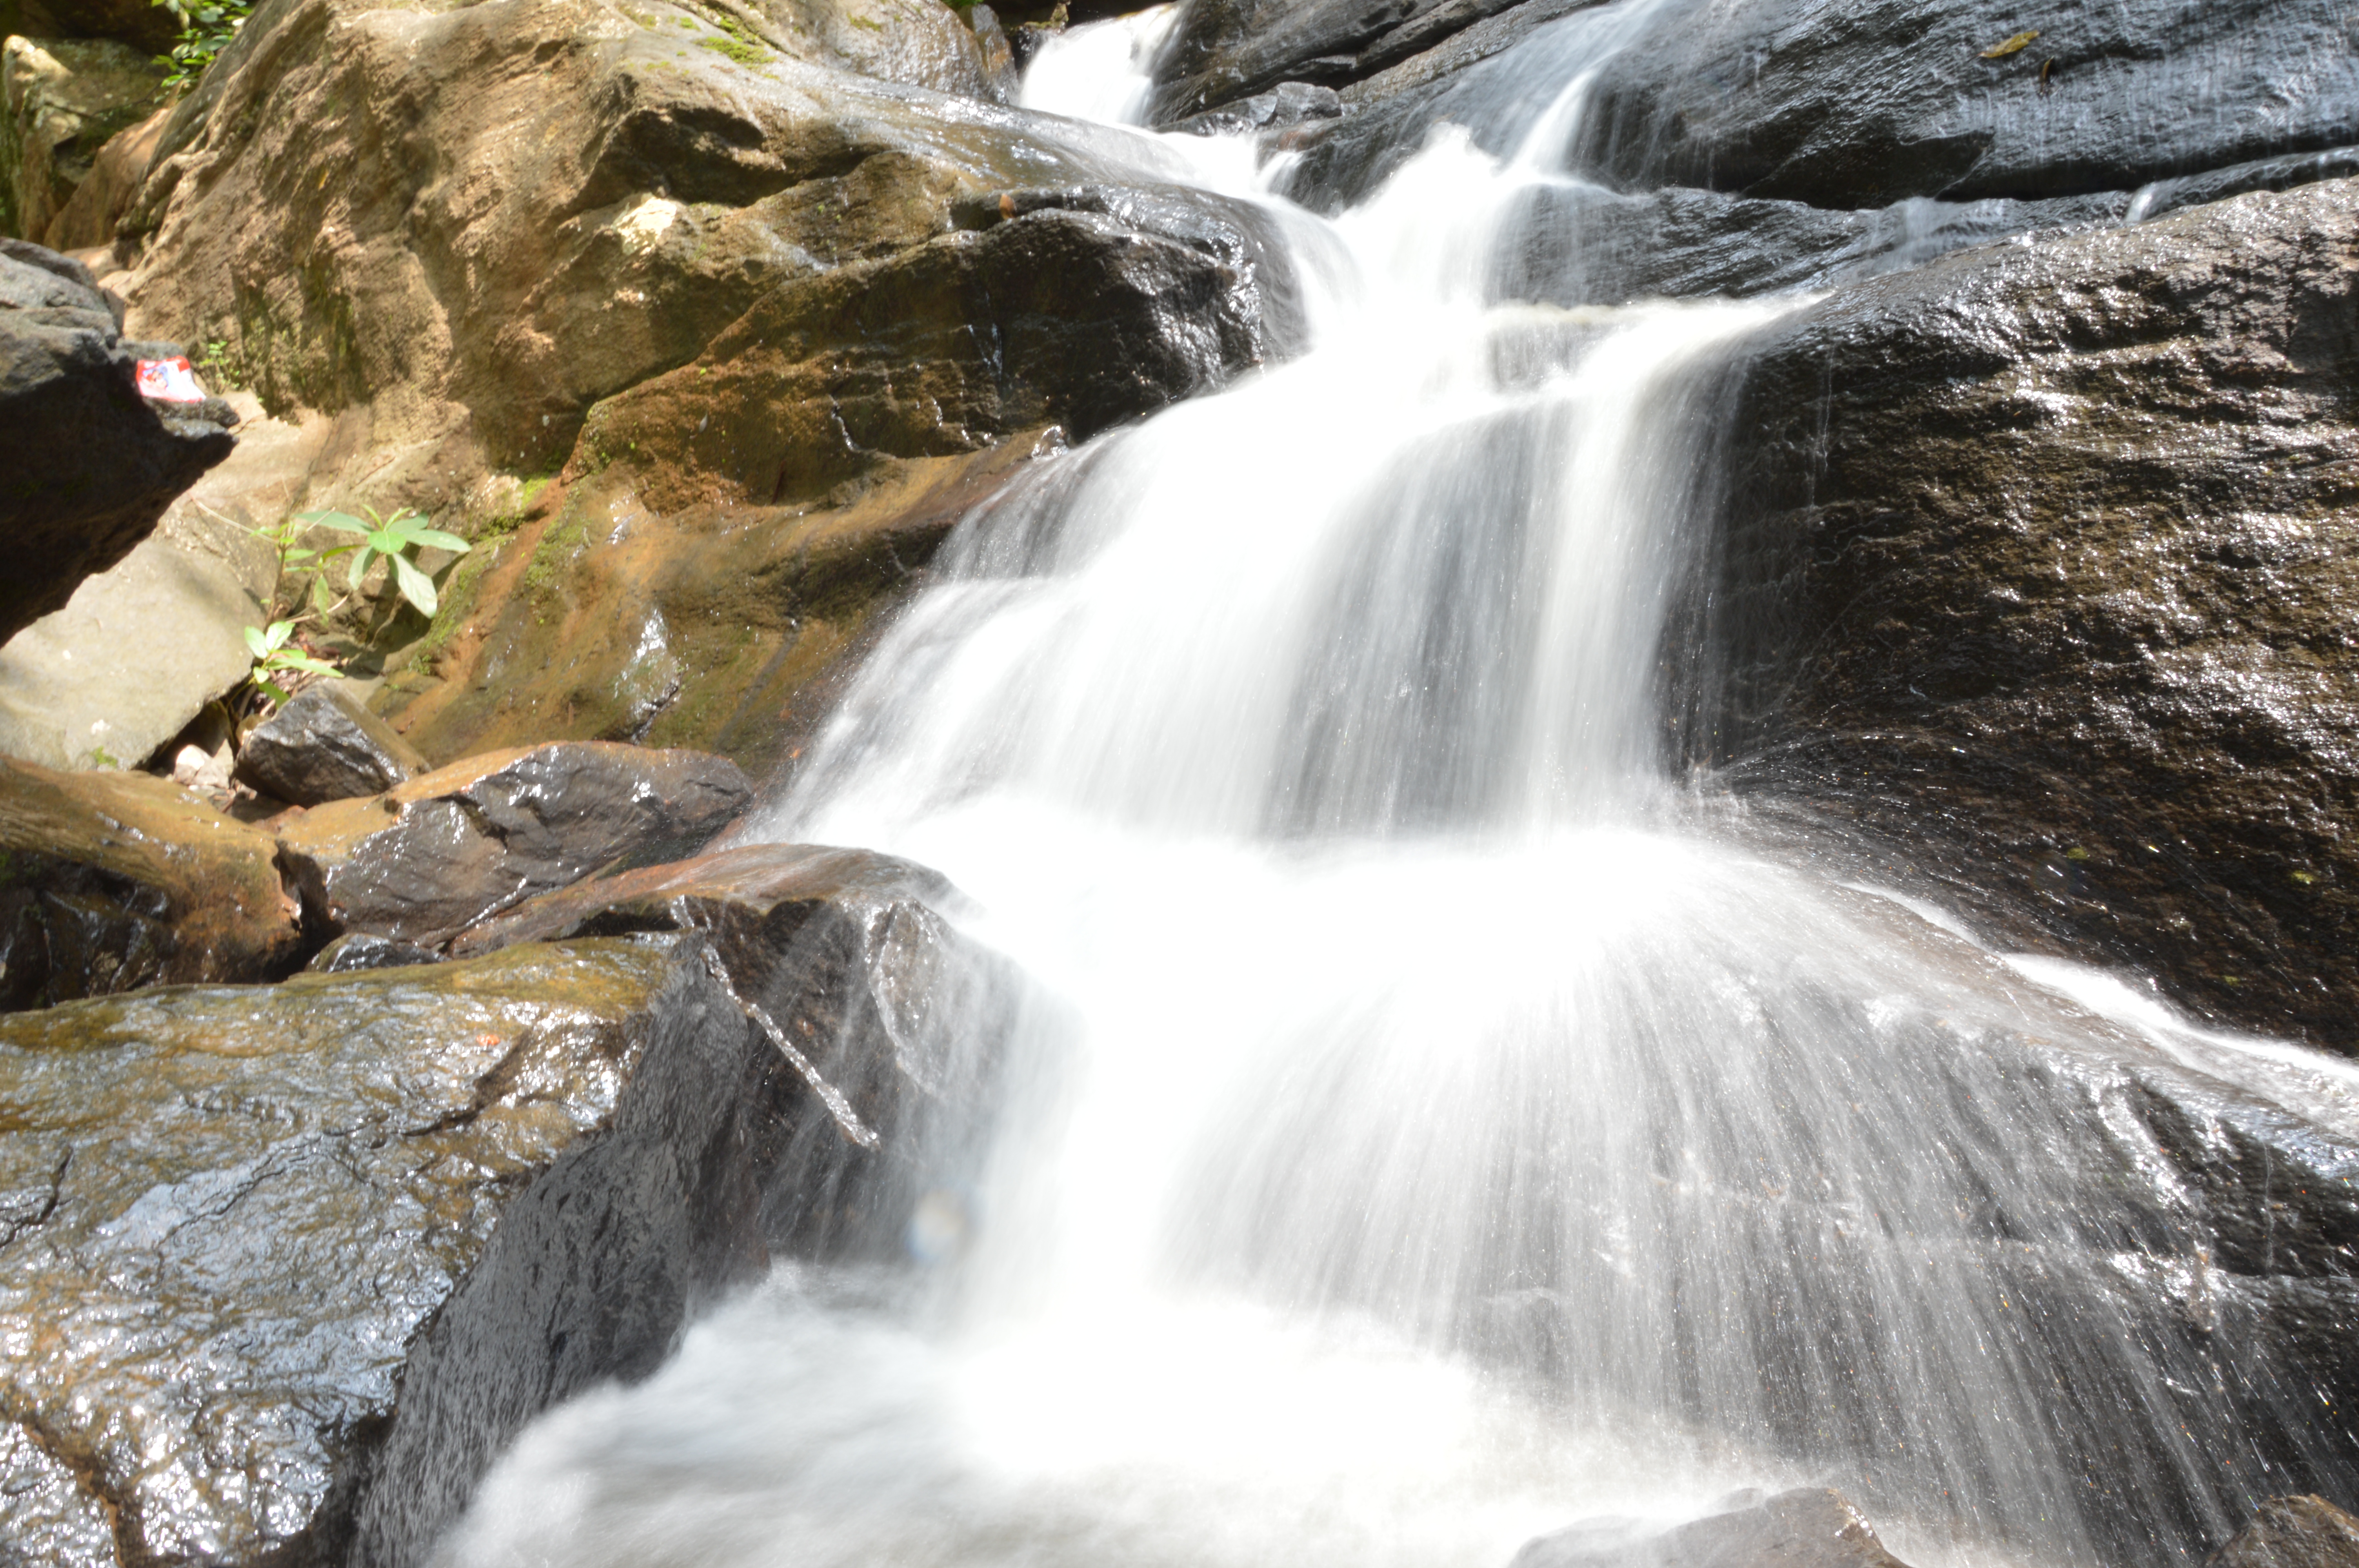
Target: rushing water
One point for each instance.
(1433, 1123)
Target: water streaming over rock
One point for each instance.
(1436, 1119)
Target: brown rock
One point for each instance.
(104, 195)
(2041, 562)
(2292, 1532)
(61, 103)
(110, 881)
(429, 857)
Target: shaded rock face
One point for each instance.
(1815, 1528)
(61, 103)
(287, 1265)
(325, 745)
(891, 1020)
(2292, 1532)
(429, 857)
(112, 881)
(87, 465)
(2039, 558)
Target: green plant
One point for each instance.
(392, 537)
(206, 29)
(276, 654)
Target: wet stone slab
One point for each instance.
(281, 1268)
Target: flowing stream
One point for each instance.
(1433, 1121)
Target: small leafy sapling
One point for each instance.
(275, 653)
(392, 537)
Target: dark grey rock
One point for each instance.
(325, 745)
(2264, 174)
(87, 466)
(1577, 244)
(1810, 1529)
(2293, 1532)
(889, 1016)
(1844, 107)
(1287, 103)
(2039, 558)
(450, 848)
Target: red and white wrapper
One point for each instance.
(169, 380)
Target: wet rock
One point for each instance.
(325, 745)
(1287, 103)
(87, 465)
(1849, 109)
(61, 101)
(110, 881)
(2293, 1532)
(1814, 1528)
(2039, 559)
(1862, 108)
(1226, 51)
(891, 1019)
(1583, 244)
(358, 950)
(296, 1261)
(443, 852)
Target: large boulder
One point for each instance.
(289, 1265)
(61, 103)
(426, 859)
(598, 330)
(87, 465)
(1837, 106)
(299, 1261)
(110, 881)
(2041, 559)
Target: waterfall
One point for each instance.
(1439, 1118)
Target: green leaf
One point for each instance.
(416, 586)
(440, 541)
(260, 649)
(322, 600)
(271, 689)
(343, 523)
(360, 568)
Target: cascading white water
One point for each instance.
(1433, 1128)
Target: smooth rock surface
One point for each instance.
(2040, 560)
(281, 1268)
(325, 745)
(135, 654)
(1807, 1529)
(2292, 1532)
(87, 465)
(110, 881)
(445, 850)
